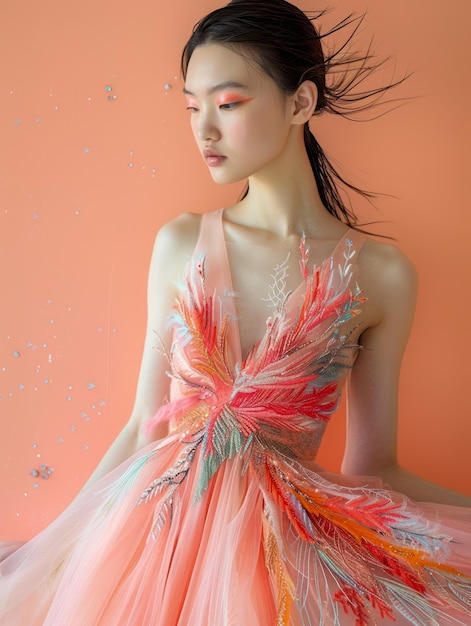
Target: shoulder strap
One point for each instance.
(210, 232)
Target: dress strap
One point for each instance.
(356, 237)
(211, 235)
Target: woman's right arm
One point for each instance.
(173, 247)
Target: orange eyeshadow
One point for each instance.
(230, 98)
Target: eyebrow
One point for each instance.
(228, 84)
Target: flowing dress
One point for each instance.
(226, 521)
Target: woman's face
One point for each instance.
(239, 117)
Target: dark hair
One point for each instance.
(285, 43)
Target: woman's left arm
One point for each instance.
(389, 281)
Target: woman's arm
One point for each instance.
(173, 247)
(389, 281)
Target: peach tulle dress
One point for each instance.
(227, 521)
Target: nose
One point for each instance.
(206, 128)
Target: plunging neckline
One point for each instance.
(241, 358)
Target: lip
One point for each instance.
(213, 158)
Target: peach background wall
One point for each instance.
(96, 154)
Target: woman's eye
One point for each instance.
(192, 109)
(228, 106)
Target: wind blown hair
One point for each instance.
(284, 42)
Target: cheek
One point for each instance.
(239, 131)
(252, 130)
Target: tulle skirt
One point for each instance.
(113, 558)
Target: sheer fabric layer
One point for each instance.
(228, 521)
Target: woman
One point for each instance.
(210, 508)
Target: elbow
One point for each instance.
(138, 431)
(363, 466)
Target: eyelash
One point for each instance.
(228, 106)
(225, 106)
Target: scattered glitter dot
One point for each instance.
(167, 86)
(56, 108)
(51, 321)
(85, 446)
(131, 153)
(86, 150)
(46, 381)
(154, 172)
(115, 330)
(34, 473)
(91, 385)
(17, 122)
(35, 445)
(77, 212)
(35, 486)
(69, 398)
(130, 164)
(35, 216)
(100, 330)
(73, 428)
(60, 440)
(102, 403)
(43, 467)
(108, 88)
(45, 476)
(21, 386)
(37, 120)
(16, 354)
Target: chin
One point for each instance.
(226, 179)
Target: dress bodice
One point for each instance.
(279, 396)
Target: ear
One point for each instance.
(304, 102)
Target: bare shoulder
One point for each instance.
(182, 232)
(174, 244)
(387, 277)
(384, 261)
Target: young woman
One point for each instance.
(209, 508)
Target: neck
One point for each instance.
(284, 197)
